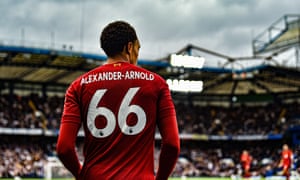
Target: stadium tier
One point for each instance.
(212, 136)
(37, 115)
(254, 108)
(250, 110)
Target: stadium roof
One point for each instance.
(35, 65)
(23, 65)
(281, 35)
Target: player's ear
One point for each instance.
(129, 47)
(126, 49)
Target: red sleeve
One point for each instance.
(168, 128)
(70, 125)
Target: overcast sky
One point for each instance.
(163, 26)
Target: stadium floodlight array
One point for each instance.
(185, 85)
(186, 61)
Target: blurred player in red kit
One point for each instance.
(286, 161)
(119, 105)
(246, 160)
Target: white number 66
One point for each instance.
(124, 110)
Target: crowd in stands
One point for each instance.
(34, 111)
(30, 159)
(224, 161)
(31, 111)
(273, 118)
(23, 160)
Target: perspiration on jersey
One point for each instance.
(119, 106)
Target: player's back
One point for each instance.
(119, 104)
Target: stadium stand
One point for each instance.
(255, 108)
(273, 118)
(198, 157)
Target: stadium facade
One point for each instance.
(33, 82)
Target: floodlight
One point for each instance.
(185, 85)
(186, 61)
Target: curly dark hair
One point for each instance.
(115, 36)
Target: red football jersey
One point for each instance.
(287, 156)
(120, 105)
(246, 159)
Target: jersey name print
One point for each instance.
(117, 75)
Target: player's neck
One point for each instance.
(116, 59)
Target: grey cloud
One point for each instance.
(163, 26)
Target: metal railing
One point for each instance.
(262, 42)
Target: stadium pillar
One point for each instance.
(297, 56)
(2, 86)
(44, 91)
(11, 91)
